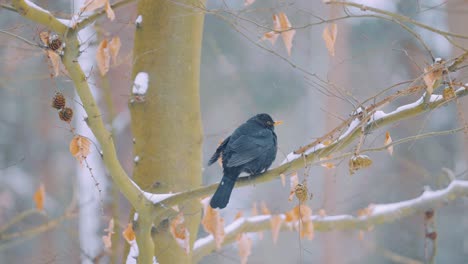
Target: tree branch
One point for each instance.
(379, 214)
(39, 15)
(396, 16)
(90, 19)
(317, 152)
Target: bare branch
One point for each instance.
(90, 19)
(379, 214)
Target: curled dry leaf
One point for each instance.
(433, 75)
(293, 181)
(281, 26)
(54, 59)
(114, 48)
(329, 36)
(91, 5)
(107, 239)
(276, 221)
(358, 162)
(264, 208)
(128, 233)
(388, 141)
(39, 197)
(212, 222)
(110, 13)
(322, 213)
(103, 57)
(300, 217)
(180, 232)
(244, 243)
(287, 33)
(80, 147)
(238, 215)
(283, 179)
(366, 211)
(44, 37)
(248, 2)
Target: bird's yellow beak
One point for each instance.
(278, 122)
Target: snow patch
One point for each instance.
(140, 85)
(33, 5)
(139, 20)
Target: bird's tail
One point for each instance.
(221, 197)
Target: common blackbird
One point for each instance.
(251, 148)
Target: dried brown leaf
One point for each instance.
(388, 141)
(287, 32)
(358, 162)
(107, 239)
(212, 222)
(110, 13)
(329, 36)
(91, 5)
(114, 48)
(80, 147)
(103, 57)
(283, 179)
(244, 243)
(180, 233)
(248, 2)
(39, 197)
(264, 208)
(293, 181)
(276, 221)
(128, 233)
(54, 60)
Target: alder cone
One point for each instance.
(55, 44)
(66, 114)
(59, 101)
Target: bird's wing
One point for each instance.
(219, 151)
(249, 147)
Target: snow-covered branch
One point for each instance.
(37, 14)
(376, 214)
(297, 161)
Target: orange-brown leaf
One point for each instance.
(91, 5)
(287, 33)
(107, 239)
(283, 179)
(388, 140)
(114, 48)
(238, 215)
(366, 211)
(180, 233)
(212, 222)
(264, 208)
(44, 37)
(54, 60)
(272, 36)
(110, 13)
(293, 181)
(103, 57)
(307, 229)
(276, 221)
(248, 2)
(80, 147)
(328, 165)
(244, 243)
(329, 36)
(39, 197)
(128, 233)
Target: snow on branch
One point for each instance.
(376, 214)
(37, 14)
(317, 151)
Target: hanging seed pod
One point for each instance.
(358, 162)
(59, 101)
(55, 44)
(301, 192)
(66, 114)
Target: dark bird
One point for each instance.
(251, 148)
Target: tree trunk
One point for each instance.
(166, 124)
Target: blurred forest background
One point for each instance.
(239, 78)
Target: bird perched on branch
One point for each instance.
(251, 148)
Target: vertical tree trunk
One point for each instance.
(167, 125)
